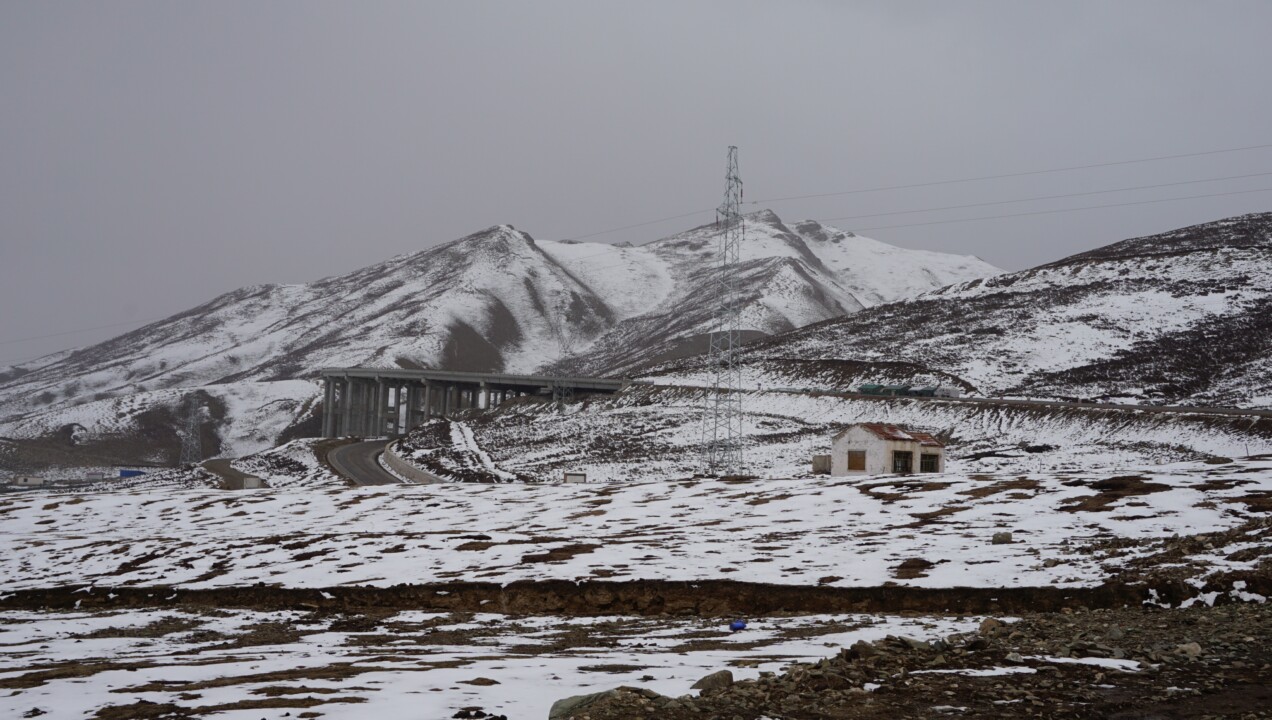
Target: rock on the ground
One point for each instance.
(621, 697)
(566, 708)
(1190, 650)
(714, 681)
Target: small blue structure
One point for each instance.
(130, 473)
(737, 625)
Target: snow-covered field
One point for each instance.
(242, 665)
(655, 433)
(926, 530)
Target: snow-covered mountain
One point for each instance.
(494, 300)
(791, 276)
(1181, 317)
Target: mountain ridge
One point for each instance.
(494, 300)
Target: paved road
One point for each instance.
(360, 462)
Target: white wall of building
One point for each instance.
(878, 452)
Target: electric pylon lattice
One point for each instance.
(722, 427)
(191, 442)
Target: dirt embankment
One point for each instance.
(641, 597)
(1128, 664)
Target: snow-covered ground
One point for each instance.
(808, 531)
(655, 433)
(292, 464)
(406, 665)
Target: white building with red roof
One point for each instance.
(882, 449)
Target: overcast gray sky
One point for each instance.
(156, 154)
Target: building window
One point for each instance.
(902, 462)
(857, 460)
(930, 463)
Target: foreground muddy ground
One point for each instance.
(1139, 663)
(196, 662)
(190, 662)
(1092, 594)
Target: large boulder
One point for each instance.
(609, 702)
(566, 708)
(714, 681)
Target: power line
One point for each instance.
(191, 440)
(933, 183)
(1049, 197)
(73, 332)
(886, 227)
(988, 217)
(1014, 174)
(1064, 210)
(16, 361)
(722, 416)
(640, 224)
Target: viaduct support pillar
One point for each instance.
(364, 393)
(380, 416)
(412, 401)
(368, 407)
(346, 407)
(399, 406)
(428, 400)
(328, 401)
(338, 401)
(355, 406)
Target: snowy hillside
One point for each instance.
(495, 300)
(1182, 317)
(655, 433)
(791, 276)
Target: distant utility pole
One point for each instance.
(722, 426)
(559, 322)
(191, 442)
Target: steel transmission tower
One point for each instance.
(722, 428)
(562, 391)
(191, 442)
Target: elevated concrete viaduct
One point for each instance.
(371, 402)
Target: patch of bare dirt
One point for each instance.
(1111, 490)
(144, 710)
(998, 487)
(1256, 502)
(929, 518)
(912, 568)
(158, 628)
(62, 671)
(559, 554)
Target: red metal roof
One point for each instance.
(900, 434)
